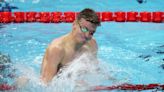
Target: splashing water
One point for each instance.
(78, 76)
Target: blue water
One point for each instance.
(131, 47)
(77, 5)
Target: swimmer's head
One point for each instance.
(89, 15)
(86, 24)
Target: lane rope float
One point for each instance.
(68, 17)
(132, 87)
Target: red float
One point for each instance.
(6, 17)
(163, 16)
(157, 17)
(120, 16)
(145, 16)
(30, 16)
(56, 17)
(19, 17)
(106, 16)
(43, 17)
(0, 17)
(152, 86)
(6, 87)
(132, 16)
(69, 17)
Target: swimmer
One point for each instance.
(63, 50)
(141, 1)
(4, 59)
(6, 7)
(4, 65)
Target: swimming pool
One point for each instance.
(134, 51)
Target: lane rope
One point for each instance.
(68, 17)
(132, 87)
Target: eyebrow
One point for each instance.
(88, 28)
(91, 30)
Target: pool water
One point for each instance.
(130, 52)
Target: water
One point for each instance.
(81, 75)
(128, 52)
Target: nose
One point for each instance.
(89, 36)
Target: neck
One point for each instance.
(72, 40)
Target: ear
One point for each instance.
(75, 22)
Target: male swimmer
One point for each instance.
(63, 50)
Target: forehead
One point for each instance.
(88, 24)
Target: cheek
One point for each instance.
(74, 28)
(88, 36)
(82, 36)
(79, 35)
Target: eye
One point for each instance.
(91, 32)
(84, 30)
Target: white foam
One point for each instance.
(81, 74)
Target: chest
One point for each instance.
(71, 54)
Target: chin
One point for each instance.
(83, 41)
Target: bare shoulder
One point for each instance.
(56, 46)
(93, 43)
(57, 43)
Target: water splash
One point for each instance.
(81, 75)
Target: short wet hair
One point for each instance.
(89, 15)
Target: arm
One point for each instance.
(95, 55)
(94, 48)
(50, 63)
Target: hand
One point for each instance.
(21, 82)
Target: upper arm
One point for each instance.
(50, 63)
(95, 47)
(94, 50)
